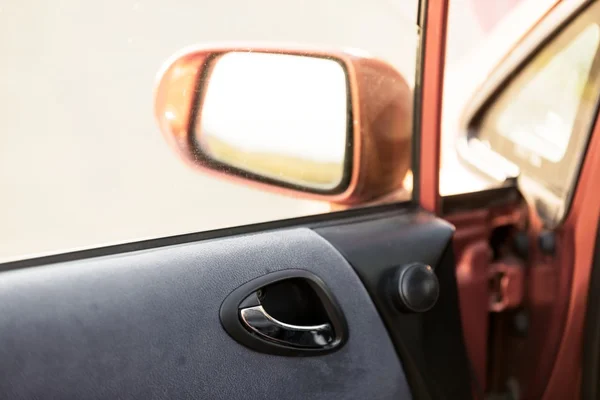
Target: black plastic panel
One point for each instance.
(146, 325)
(430, 344)
(501, 196)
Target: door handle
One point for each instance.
(313, 336)
(253, 315)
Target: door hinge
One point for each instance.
(507, 284)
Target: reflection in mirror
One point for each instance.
(279, 116)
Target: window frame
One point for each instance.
(427, 115)
(555, 22)
(580, 130)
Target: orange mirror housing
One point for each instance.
(328, 126)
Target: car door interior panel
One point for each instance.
(150, 323)
(431, 344)
(143, 324)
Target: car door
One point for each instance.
(313, 307)
(532, 128)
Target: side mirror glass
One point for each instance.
(279, 118)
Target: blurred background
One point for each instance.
(82, 161)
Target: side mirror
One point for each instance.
(330, 126)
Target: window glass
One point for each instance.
(480, 33)
(541, 121)
(540, 116)
(82, 161)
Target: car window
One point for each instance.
(540, 116)
(541, 121)
(479, 36)
(82, 161)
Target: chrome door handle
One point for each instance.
(257, 320)
(253, 315)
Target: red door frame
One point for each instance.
(577, 234)
(575, 238)
(431, 104)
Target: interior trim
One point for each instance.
(430, 344)
(495, 197)
(146, 326)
